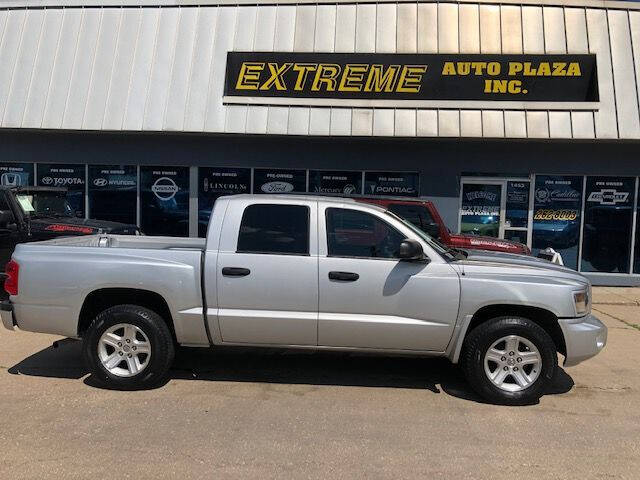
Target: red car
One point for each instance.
(424, 215)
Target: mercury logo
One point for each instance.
(165, 188)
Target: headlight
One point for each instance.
(581, 300)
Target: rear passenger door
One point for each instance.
(267, 273)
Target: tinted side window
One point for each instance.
(351, 233)
(418, 215)
(282, 229)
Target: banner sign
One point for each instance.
(395, 184)
(279, 181)
(370, 78)
(335, 182)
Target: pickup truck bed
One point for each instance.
(127, 241)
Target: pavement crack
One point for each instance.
(632, 325)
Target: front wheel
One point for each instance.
(509, 360)
(129, 347)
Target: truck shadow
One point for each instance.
(283, 367)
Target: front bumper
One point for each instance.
(584, 338)
(6, 312)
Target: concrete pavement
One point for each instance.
(262, 414)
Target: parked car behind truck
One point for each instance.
(304, 272)
(29, 214)
(424, 215)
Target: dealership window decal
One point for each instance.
(354, 78)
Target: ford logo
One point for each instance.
(277, 187)
(100, 182)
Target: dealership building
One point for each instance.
(518, 119)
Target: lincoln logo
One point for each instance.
(165, 188)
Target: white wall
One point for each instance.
(162, 69)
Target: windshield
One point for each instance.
(45, 204)
(446, 252)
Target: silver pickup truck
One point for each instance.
(305, 272)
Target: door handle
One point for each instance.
(344, 276)
(235, 272)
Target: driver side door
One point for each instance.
(368, 298)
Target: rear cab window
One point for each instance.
(274, 229)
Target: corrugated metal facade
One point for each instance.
(162, 68)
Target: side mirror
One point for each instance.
(410, 250)
(6, 217)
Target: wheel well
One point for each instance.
(547, 320)
(100, 300)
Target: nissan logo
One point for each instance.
(165, 188)
(100, 182)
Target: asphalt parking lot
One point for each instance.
(263, 414)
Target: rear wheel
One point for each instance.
(129, 346)
(509, 360)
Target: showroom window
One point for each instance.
(557, 205)
(164, 201)
(16, 174)
(608, 219)
(113, 191)
(71, 177)
(214, 182)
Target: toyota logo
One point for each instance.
(165, 188)
(46, 180)
(100, 182)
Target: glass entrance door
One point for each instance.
(481, 211)
(496, 208)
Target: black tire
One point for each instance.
(160, 339)
(481, 338)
